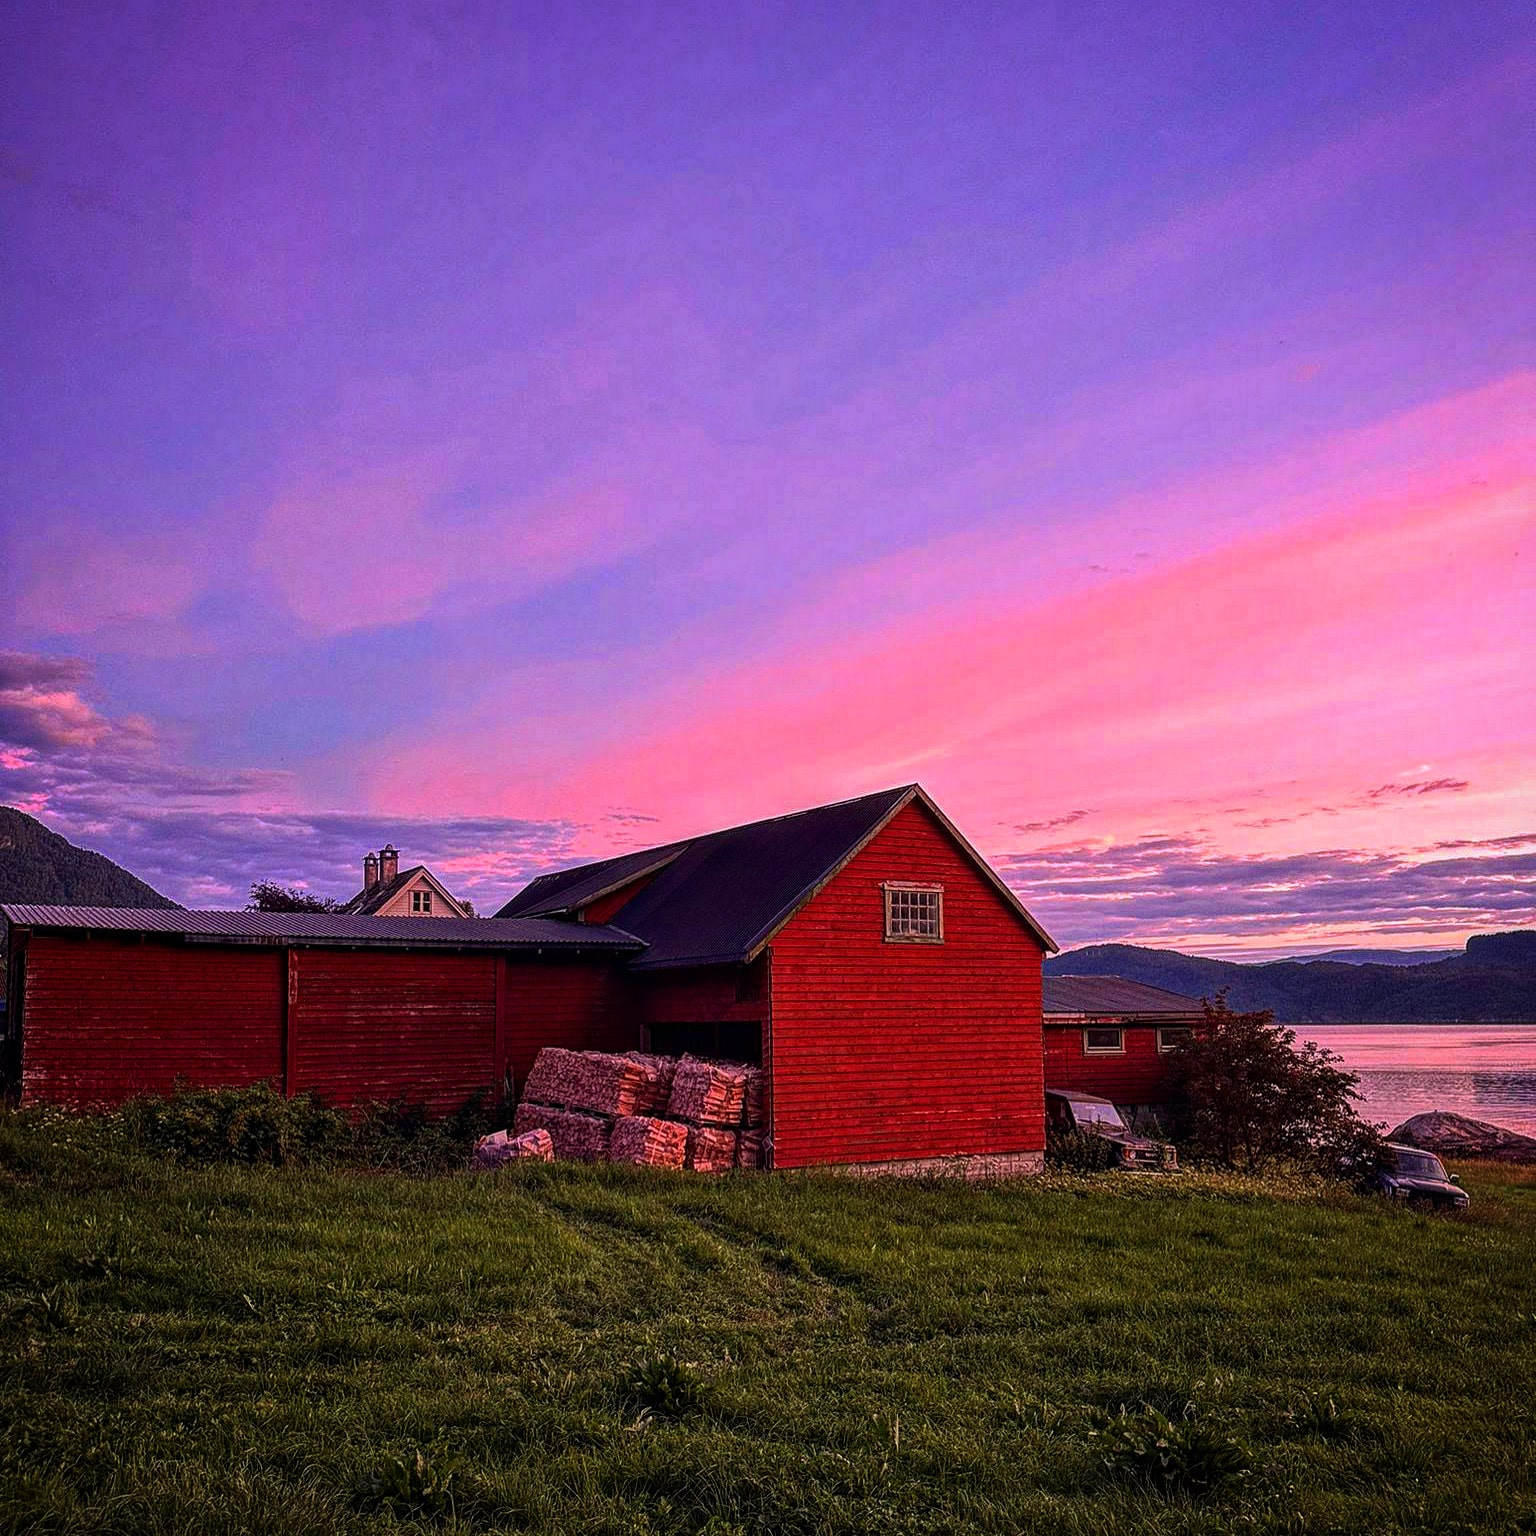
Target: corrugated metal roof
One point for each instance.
(720, 896)
(568, 890)
(1112, 995)
(327, 928)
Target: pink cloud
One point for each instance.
(76, 581)
(1378, 626)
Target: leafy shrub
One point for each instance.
(235, 1125)
(412, 1484)
(1183, 1455)
(1249, 1097)
(403, 1135)
(259, 1125)
(1078, 1152)
(663, 1387)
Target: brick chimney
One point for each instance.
(389, 862)
(370, 871)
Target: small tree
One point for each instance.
(1248, 1096)
(269, 896)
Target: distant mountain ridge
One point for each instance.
(1378, 956)
(1492, 981)
(38, 866)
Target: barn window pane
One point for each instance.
(1172, 1038)
(914, 912)
(1103, 1041)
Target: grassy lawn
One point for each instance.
(248, 1350)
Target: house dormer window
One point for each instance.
(421, 903)
(914, 914)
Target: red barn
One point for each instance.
(862, 952)
(1112, 1037)
(107, 1003)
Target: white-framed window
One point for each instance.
(1172, 1036)
(421, 902)
(914, 914)
(1104, 1040)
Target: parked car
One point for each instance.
(1068, 1110)
(1419, 1177)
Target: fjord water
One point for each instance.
(1485, 1071)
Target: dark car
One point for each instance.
(1068, 1110)
(1420, 1178)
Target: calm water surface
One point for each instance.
(1487, 1071)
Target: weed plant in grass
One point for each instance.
(303, 1350)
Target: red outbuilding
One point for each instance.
(863, 953)
(1112, 1037)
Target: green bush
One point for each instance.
(258, 1125)
(236, 1125)
(1079, 1152)
(1183, 1455)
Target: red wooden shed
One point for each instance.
(862, 952)
(107, 1003)
(1112, 1037)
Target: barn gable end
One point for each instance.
(886, 1052)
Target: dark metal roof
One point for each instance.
(720, 897)
(569, 890)
(322, 929)
(1100, 995)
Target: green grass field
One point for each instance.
(249, 1350)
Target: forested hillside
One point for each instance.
(1493, 980)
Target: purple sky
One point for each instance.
(525, 433)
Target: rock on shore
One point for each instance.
(1457, 1136)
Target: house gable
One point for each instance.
(885, 1051)
(393, 898)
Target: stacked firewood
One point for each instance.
(657, 1111)
(501, 1147)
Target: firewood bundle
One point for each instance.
(707, 1092)
(658, 1082)
(749, 1147)
(752, 1096)
(649, 1142)
(656, 1111)
(711, 1149)
(576, 1134)
(502, 1147)
(590, 1080)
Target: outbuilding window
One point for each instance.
(914, 914)
(1103, 1040)
(421, 901)
(1172, 1037)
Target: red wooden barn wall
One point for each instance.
(581, 1005)
(888, 1051)
(106, 1019)
(386, 1024)
(703, 995)
(1140, 1076)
